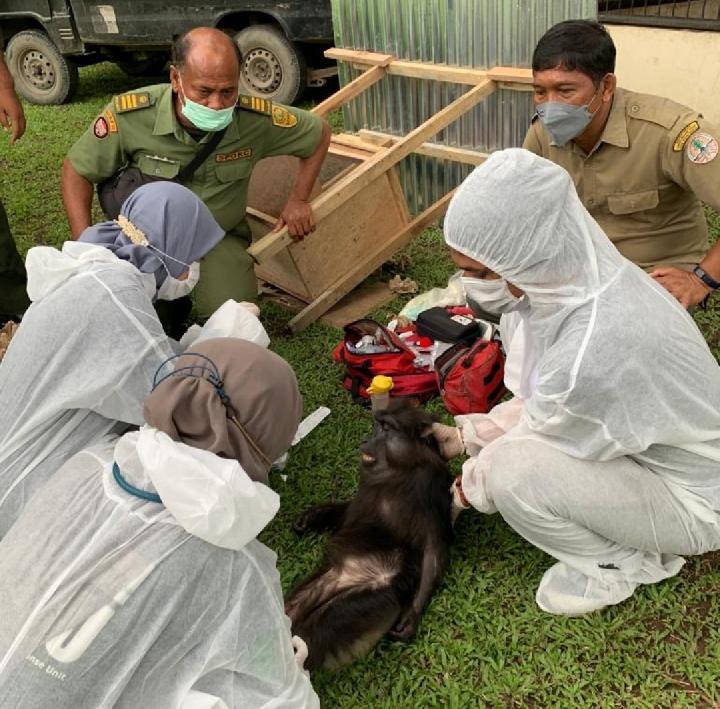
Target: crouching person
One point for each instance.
(608, 457)
(133, 577)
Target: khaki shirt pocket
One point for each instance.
(233, 170)
(630, 202)
(158, 167)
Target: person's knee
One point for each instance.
(516, 472)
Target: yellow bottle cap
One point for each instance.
(380, 384)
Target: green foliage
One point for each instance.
(483, 641)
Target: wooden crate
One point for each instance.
(358, 204)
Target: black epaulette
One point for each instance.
(132, 101)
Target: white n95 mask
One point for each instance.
(492, 295)
(172, 288)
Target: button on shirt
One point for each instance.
(643, 182)
(152, 139)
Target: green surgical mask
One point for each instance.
(204, 118)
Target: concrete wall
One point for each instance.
(683, 65)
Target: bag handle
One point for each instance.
(189, 170)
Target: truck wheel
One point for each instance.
(272, 66)
(41, 73)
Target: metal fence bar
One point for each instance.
(677, 14)
(475, 33)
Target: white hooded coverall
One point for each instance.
(608, 457)
(111, 601)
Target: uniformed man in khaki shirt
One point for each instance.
(641, 164)
(160, 129)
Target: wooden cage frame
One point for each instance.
(283, 262)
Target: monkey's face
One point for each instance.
(399, 440)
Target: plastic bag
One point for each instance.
(453, 294)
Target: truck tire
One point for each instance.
(272, 66)
(41, 73)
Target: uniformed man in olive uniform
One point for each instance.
(159, 129)
(641, 164)
(13, 295)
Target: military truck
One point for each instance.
(47, 40)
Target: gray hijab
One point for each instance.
(162, 228)
(230, 397)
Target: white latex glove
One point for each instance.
(449, 439)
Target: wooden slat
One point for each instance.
(512, 74)
(347, 152)
(371, 169)
(350, 91)
(433, 150)
(513, 77)
(262, 216)
(356, 141)
(358, 273)
(355, 55)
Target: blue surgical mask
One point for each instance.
(564, 121)
(204, 118)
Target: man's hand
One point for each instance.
(449, 439)
(685, 286)
(298, 218)
(12, 117)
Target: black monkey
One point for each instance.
(389, 548)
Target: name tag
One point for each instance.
(235, 155)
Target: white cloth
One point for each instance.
(212, 498)
(82, 360)
(120, 607)
(612, 525)
(606, 361)
(231, 319)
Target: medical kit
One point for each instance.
(368, 349)
(471, 376)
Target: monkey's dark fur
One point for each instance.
(389, 546)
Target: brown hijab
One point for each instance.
(230, 397)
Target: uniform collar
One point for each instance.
(615, 132)
(166, 121)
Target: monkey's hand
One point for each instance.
(449, 439)
(406, 626)
(304, 521)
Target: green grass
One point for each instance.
(483, 642)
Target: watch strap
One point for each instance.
(708, 280)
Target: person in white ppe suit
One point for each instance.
(134, 579)
(608, 456)
(84, 356)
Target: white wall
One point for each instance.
(683, 65)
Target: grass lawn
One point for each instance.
(482, 642)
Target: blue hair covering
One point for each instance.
(162, 228)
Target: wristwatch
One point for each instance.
(708, 280)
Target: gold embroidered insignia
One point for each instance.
(111, 122)
(131, 102)
(683, 136)
(235, 155)
(282, 117)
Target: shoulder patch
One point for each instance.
(684, 134)
(100, 128)
(132, 102)
(282, 117)
(702, 148)
(254, 103)
(109, 117)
